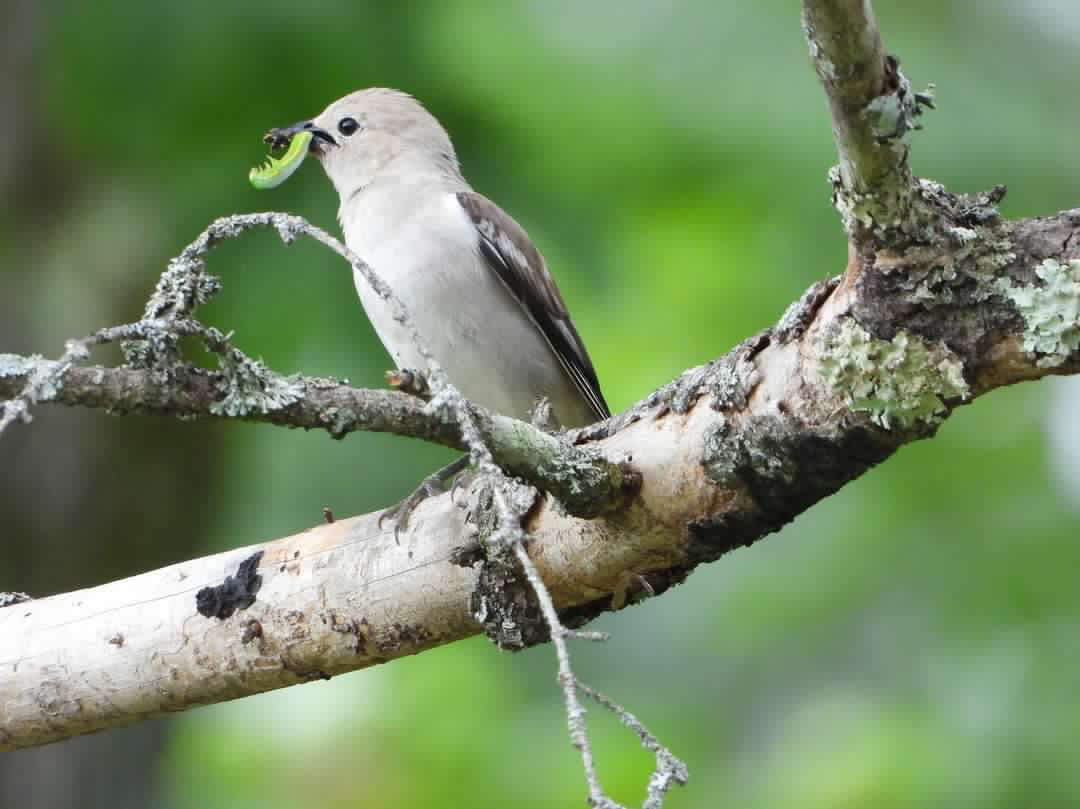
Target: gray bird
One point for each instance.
(476, 287)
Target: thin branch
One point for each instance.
(575, 713)
(873, 112)
(581, 478)
(845, 46)
(587, 484)
(669, 769)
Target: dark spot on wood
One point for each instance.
(237, 592)
(801, 314)
(252, 630)
(632, 479)
(467, 555)
(891, 78)
(504, 603)
(785, 470)
(399, 635)
(351, 627)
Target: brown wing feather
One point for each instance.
(510, 253)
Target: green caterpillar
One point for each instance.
(276, 170)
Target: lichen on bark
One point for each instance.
(1051, 310)
(901, 383)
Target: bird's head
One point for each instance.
(364, 135)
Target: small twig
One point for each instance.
(669, 769)
(581, 479)
(645, 586)
(873, 111)
(41, 385)
(44, 381)
(842, 34)
(575, 713)
(446, 395)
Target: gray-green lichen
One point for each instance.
(1051, 310)
(182, 288)
(964, 266)
(997, 256)
(252, 387)
(12, 365)
(826, 70)
(901, 382)
(890, 207)
(340, 421)
(962, 235)
(890, 117)
(43, 377)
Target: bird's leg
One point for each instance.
(463, 481)
(542, 416)
(433, 484)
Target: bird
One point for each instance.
(474, 285)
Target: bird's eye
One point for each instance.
(347, 126)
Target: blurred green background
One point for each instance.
(913, 641)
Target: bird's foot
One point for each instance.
(463, 482)
(543, 417)
(433, 484)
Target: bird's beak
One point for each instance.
(320, 138)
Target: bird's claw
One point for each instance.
(403, 511)
(462, 481)
(434, 484)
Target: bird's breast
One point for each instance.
(427, 250)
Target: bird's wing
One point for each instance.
(511, 255)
